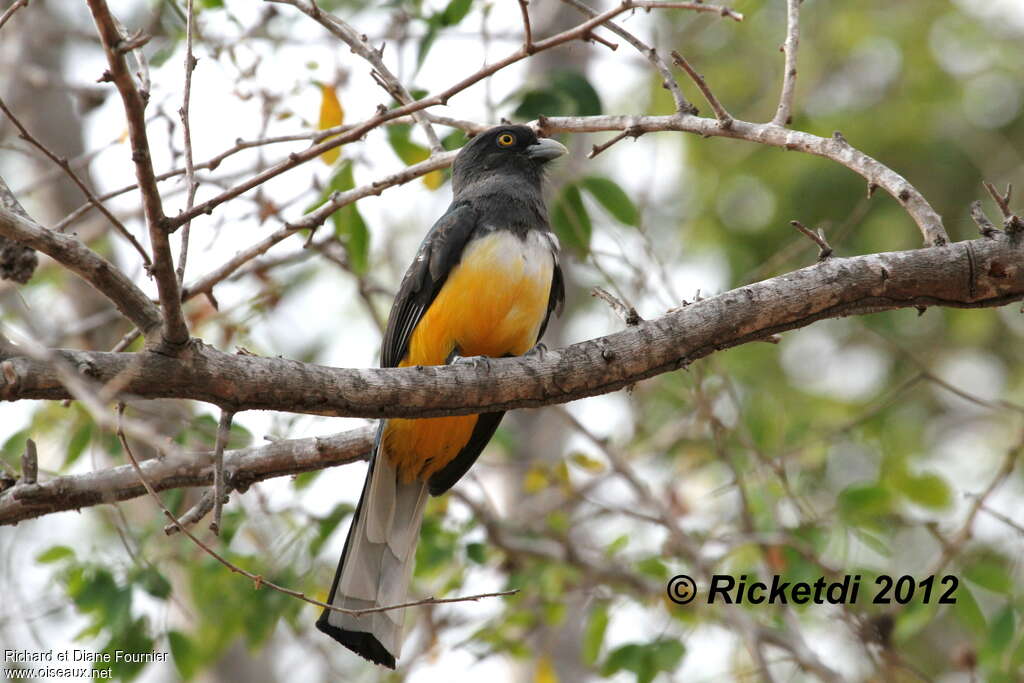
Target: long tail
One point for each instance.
(376, 566)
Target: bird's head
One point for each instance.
(503, 152)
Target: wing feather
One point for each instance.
(438, 254)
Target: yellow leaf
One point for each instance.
(331, 114)
(536, 479)
(434, 179)
(545, 672)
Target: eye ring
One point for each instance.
(506, 140)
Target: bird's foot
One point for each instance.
(537, 351)
(475, 361)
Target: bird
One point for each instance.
(484, 284)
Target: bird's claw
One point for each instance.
(537, 351)
(475, 361)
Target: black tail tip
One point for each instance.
(362, 643)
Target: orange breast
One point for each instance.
(492, 304)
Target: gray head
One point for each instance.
(506, 152)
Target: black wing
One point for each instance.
(438, 254)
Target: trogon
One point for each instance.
(485, 281)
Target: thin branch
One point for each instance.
(64, 166)
(834, 148)
(784, 113)
(284, 457)
(175, 331)
(9, 12)
(190, 171)
(219, 487)
(29, 463)
(361, 46)
(87, 264)
(724, 118)
(985, 226)
(527, 31)
(824, 248)
(953, 546)
(1011, 221)
(624, 310)
(698, 6)
(668, 82)
(968, 274)
(315, 219)
(579, 32)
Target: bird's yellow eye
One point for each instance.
(506, 140)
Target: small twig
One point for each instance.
(64, 166)
(985, 226)
(624, 310)
(597, 149)
(527, 31)
(219, 488)
(195, 513)
(1011, 221)
(591, 36)
(29, 463)
(818, 237)
(9, 12)
(1003, 201)
(784, 113)
(190, 171)
(698, 6)
(724, 118)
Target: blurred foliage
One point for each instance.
(833, 450)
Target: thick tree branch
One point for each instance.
(246, 465)
(979, 273)
(90, 266)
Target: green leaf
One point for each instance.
(349, 226)
(326, 525)
(568, 93)
(653, 567)
(612, 197)
(570, 220)
(426, 42)
(989, 571)
(861, 502)
(407, 150)
(1001, 631)
(967, 611)
(928, 490)
(455, 12)
(578, 89)
(154, 583)
(185, 654)
(646, 661)
(79, 440)
(477, 552)
(55, 554)
(14, 446)
(623, 658)
(593, 633)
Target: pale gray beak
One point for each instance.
(546, 149)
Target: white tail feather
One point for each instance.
(376, 568)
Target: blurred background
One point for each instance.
(853, 446)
